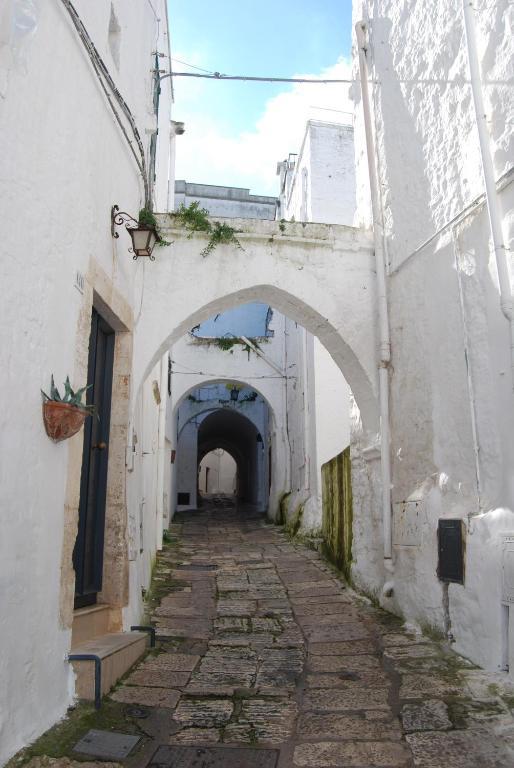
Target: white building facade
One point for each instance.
(318, 185)
(95, 136)
(436, 78)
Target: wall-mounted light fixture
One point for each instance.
(234, 394)
(143, 236)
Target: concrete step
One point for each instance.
(118, 651)
(91, 622)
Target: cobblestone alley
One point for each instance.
(264, 658)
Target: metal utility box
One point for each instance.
(508, 568)
(451, 551)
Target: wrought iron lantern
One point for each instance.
(143, 236)
(234, 394)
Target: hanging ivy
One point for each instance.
(196, 219)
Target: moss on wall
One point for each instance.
(283, 505)
(337, 510)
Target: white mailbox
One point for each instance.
(508, 568)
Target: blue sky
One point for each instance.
(227, 120)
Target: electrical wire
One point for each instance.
(219, 76)
(191, 372)
(105, 80)
(193, 66)
(458, 81)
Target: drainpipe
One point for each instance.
(306, 415)
(260, 353)
(491, 196)
(161, 450)
(383, 319)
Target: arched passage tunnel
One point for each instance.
(241, 428)
(237, 435)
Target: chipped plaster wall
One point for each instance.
(451, 384)
(65, 167)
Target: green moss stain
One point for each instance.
(338, 511)
(293, 525)
(60, 740)
(283, 505)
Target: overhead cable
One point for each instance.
(105, 80)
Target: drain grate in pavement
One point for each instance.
(213, 757)
(106, 744)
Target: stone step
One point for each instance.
(118, 651)
(91, 622)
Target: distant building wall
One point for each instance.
(319, 184)
(234, 202)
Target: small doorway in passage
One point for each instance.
(217, 474)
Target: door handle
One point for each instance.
(100, 446)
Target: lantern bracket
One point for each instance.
(133, 227)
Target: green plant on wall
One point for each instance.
(227, 343)
(147, 219)
(196, 219)
(221, 234)
(70, 397)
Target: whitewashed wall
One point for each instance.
(452, 421)
(149, 479)
(67, 163)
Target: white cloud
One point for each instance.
(207, 155)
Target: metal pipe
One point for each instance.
(145, 628)
(98, 672)
(261, 354)
(493, 207)
(471, 389)
(383, 317)
(161, 449)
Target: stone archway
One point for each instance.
(319, 275)
(262, 417)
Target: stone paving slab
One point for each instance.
(248, 639)
(317, 634)
(431, 715)
(158, 678)
(342, 663)
(343, 648)
(203, 712)
(331, 598)
(147, 696)
(227, 607)
(327, 754)
(335, 700)
(416, 686)
(349, 726)
(322, 609)
(419, 651)
(196, 736)
(348, 680)
(458, 749)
